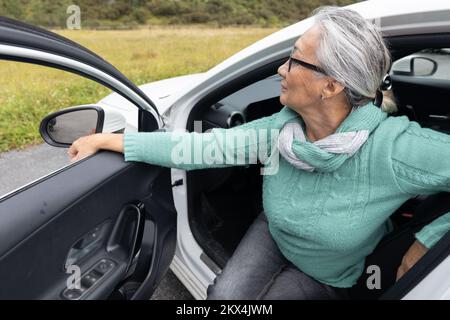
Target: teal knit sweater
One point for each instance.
(326, 221)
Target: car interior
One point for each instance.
(223, 202)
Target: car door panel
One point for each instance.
(40, 224)
(101, 222)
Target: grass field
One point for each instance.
(28, 93)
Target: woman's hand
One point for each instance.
(414, 253)
(83, 147)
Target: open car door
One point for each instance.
(99, 228)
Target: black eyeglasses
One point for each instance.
(304, 64)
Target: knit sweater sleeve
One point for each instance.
(421, 165)
(218, 148)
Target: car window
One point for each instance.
(258, 91)
(257, 100)
(27, 94)
(422, 86)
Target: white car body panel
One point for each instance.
(435, 286)
(180, 94)
(162, 93)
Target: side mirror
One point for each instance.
(62, 128)
(415, 66)
(421, 66)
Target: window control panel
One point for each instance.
(89, 279)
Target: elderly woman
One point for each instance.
(345, 167)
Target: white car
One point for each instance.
(120, 225)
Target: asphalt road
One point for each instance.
(20, 167)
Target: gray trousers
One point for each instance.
(258, 271)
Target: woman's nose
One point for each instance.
(282, 69)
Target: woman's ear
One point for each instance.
(332, 88)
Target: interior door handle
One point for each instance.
(125, 232)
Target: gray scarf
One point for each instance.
(331, 152)
(346, 142)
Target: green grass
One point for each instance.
(29, 92)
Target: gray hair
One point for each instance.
(353, 52)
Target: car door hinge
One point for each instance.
(177, 183)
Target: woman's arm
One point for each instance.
(421, 160)
(421, 163)
(242, 145)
